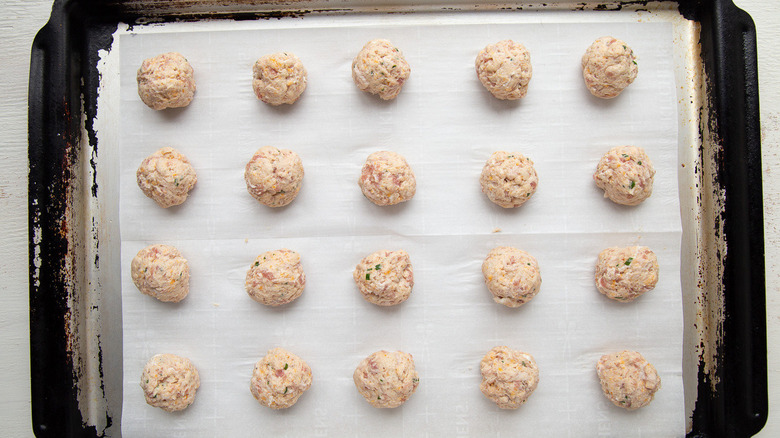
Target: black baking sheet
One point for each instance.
(63, 67)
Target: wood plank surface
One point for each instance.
(19, 22)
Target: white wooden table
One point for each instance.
(19, 22)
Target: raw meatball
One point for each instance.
(509, 377)
(166, 81)
(625, 173)
(504, 69)
(509, 179)
(385, 278)
(160, 271)
(166, 176)
(511, 275)
(387, 179)
(274, 176)
(279, 78)
(386, 378)
(170, 382)
(608, 66)
(624, 274)
(276, 277)
(380, 68)
(279, 379)
(627, 379)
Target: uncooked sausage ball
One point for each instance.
(627, 379)
(625, 173)
(170, 382)
(509, 377)
(504, 68)
(160, 271)
(624, 274)
(509, 179)
(274, 176)
(167, 177)
(386, 378)
(278, 78)
(166, 81)
(385, 277)
(380, 68)
(279, 379)
(276, 277)
(511, 275)
(387, 179)
(608, 66)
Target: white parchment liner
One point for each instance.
(446, 125)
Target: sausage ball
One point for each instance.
(608, 66)
(627, 379)
(276, 277)
(279, 379)
(170, 382)
(511, 275)
(387, 179)
(160, 271)
(625, 173)
(504, 68)
(508, 179)
(166, 177)
(386, 378)
(509, 377)
(274, 176)
(380, 68)
(385, 278)
(624, 274)
(278, 78)
(166, 81)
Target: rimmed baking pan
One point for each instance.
(74, 298)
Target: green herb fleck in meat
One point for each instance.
(632, 185)
(368, 276)
(285, 366)
(628, 262)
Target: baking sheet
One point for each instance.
(446, 125)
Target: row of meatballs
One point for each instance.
(504, 68)
(387, 379)
(386, 278)
(274, 177)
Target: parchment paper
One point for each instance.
(446, 125)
